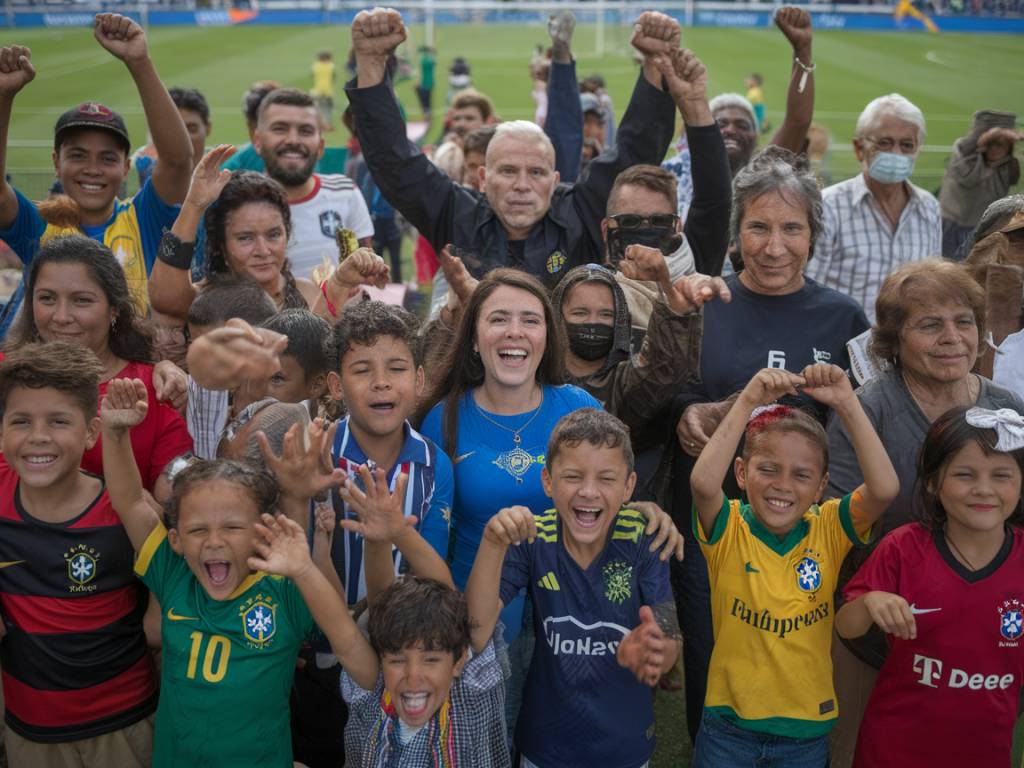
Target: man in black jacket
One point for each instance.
(523, 217)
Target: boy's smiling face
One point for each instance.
(214, 534)
(419, 681)
(588, 484)
(380, 384)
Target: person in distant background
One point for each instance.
(323, 88)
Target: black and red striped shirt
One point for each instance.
(75, 661)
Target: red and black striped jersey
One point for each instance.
(75, 661)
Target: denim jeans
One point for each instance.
(722, 744)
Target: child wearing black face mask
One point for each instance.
(598, 325)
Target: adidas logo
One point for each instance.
(548, 581)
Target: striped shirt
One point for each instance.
(428, 496)
(206, 414)
(858, 248)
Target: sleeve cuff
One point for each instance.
(847, 509)
(720, 522)
(149, 549)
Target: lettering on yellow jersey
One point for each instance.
(764, 620)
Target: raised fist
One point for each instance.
(16, 70)
(654, 33)
(377, 33)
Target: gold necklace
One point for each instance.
(516, 439)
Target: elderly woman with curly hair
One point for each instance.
(929, 324)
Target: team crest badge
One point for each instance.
(82, 565)
(808, 574)
(516, 462)
(555, 262)
(617, 581)
(259, 620)
(1011, 619)
(329, 222)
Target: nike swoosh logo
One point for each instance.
(175, 617)
(749, 568)
(9, 563)
(463, 457)
(915, 610)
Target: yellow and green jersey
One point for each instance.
(228, 665)
(772, 608)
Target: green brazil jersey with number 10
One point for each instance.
(228, 665)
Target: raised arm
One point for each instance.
(124, 406)
(564, 122)
(511, 526)
(716, 459)
(16, 71)
(829, 385)
(359, 268)
(170, 283)
(226, 358)
(125, 39)
(282, 549)
(795, 24)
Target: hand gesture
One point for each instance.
(795, 24)
(208, 179)
(560, 27)
(121, 36)
(236, 353)
(323, 532)
(16, 70)
(281, 548)
(124, 405)
(461, 283)
(892, 614)
(698, 422)
(377, 33)
(303, 469)
(381, 513)
(512, 525)
(769, 384)
(667, 537)
(694, 291)
(642, 262)
(827, 384)
(361, 267)
(654, 33)
(644, 650)
(685, 74)
(170, 384)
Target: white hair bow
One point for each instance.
(1008, 424)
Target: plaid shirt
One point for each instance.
(477, 712)
(858, 248)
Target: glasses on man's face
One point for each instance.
(635, 221)
(887, 144)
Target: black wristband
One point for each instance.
(174, 252)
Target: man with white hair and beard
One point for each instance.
(288, 140)
(523, 218)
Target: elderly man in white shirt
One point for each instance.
(877, 220)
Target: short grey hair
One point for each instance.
(524, 130)
(895, 105)
(733, 101)
(997, 216)
(775, 169)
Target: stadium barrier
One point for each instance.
(691, 13)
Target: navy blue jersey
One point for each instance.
(580, 708)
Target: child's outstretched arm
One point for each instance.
(708, 474)
(126, 40)
(889, 611)
(512, 525)
(16, 71)
(382, 523)
(281, 549)
(830, 386)
(125, 404)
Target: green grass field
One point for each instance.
(947, 76)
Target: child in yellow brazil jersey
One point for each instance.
(773, 565)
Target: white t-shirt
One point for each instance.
(334, 202)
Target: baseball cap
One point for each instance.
(91, 114)
(590, 103)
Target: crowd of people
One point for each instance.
(692, 413)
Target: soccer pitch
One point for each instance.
(947, 75)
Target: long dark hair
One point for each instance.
(130, 337)
(464, 370)
(248, 187)
(948, 434)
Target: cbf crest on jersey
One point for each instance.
(330, 220)
(259, 620)
(1011, 620)
(82, 563)
(808, 572)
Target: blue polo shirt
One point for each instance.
(428, 496)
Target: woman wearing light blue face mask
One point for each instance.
(878, 220)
